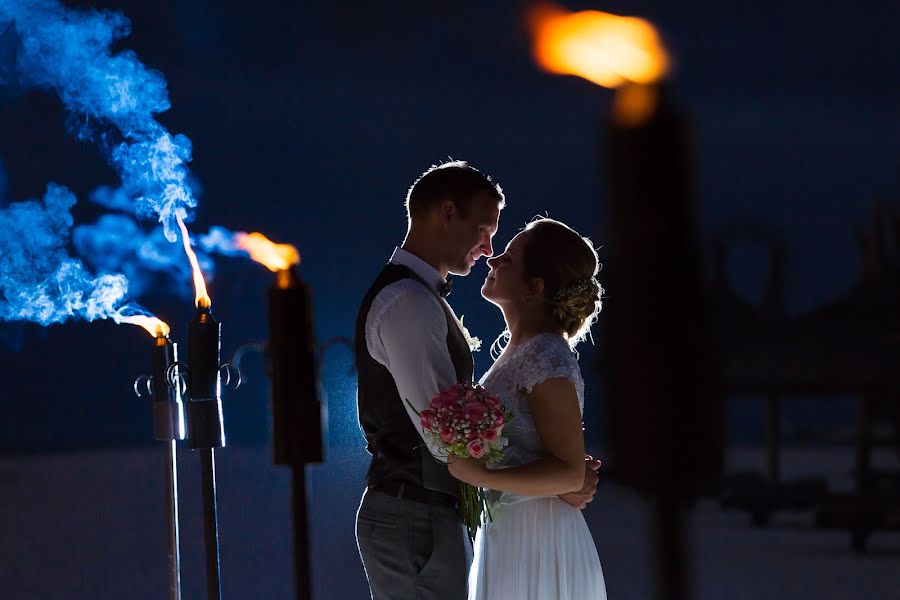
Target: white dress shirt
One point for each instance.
(406, 331)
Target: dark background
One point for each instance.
(310, 120)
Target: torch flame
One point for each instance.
(603, 48)
(201, 299)
(154, 326)
(276, 257)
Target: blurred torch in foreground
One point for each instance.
(667, 425)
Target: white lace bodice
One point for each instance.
(512, 377)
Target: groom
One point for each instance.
(409, 346)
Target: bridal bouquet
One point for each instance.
(466, 421)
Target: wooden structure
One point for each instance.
(848, 347)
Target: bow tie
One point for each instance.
(444, 288)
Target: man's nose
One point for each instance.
(487, 248)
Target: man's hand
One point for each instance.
(581, 498)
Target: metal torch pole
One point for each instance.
(206, 429)
(172, 518)
(210, 523)
(168, 425)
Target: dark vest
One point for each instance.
(398, 453)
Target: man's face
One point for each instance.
(470, 237)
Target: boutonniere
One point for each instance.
(473, 342)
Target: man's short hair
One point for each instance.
(456, 180)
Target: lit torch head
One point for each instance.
(278, 258)
(154, 326)
(275, 257)
(609, 50)
(603, 48)
(205, 424)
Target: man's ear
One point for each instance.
(537, 286)
(448, 211)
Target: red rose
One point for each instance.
(449, 400)
(447, 435)
(475, 412)
(490, 434)
(427, 418)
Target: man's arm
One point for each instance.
(412, 335)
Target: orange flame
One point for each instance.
(154, 326)
(603, 48)
(201, 299)
(276, 257)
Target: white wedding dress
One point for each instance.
(536, 548)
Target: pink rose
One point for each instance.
(427, 418)
(490, 434)
(447, 435)
(475, 448)
(472, 434)
(499, 419)
(493, 402)
(471, 395)
(475, 412)
(436, 402)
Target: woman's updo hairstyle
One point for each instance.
(568, 264)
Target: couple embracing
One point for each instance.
(410, 346)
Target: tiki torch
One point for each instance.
(296, 409)
(168, 427)
(667, 415)
(206, 430)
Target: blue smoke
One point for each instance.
(221, 241)
(111, 97)
(116, 244)
(3, 185)
(39, 280)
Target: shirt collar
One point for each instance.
(418, 266)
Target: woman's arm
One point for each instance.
(557, 418)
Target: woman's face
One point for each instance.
(505, 282)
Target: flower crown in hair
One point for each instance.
(570, 296)
(575, 289)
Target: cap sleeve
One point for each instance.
(545, 359)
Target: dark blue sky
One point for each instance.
(309, 123)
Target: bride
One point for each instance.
(538, 547)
